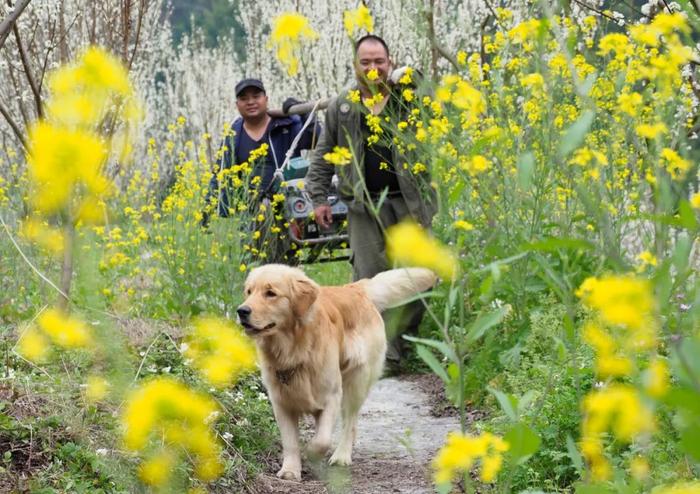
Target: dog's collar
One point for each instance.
(284, 376)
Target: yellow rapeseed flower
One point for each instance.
(167, 410)
(60, 161)
(695, 200)
(83, 91)
(639, 468)
(617, 408)
(408, 244)
(651, 131)
(33, 345)
(676, 166)
(610, 359)
(629, 103)
(64, 330)
(525, 31)
(617, 42)
(620, 300)
(463, 225)
(647, 258)
(656, 378)
(668, 23)
(679, 488)
(339, 157)
(157, 470)
(289, 31)
(219, 351)
(358, 19)
(96, 388)
(461, 451)
(43, 235)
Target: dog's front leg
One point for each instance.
(288, 423)
(325, 422)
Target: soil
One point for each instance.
(402, 425)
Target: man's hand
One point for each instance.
(288, 103)
(323, 215)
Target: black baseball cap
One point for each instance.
(246, 83)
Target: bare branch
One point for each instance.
(49, 50)
(13, 125)
(695, 5)
(493, 13)
(126, 28)
(9, 21)
(436, 48)
(139, 24)
(597, 11)
(16, 86)
(28, 73)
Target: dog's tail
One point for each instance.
(392, 287)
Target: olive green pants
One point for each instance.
(366, 235)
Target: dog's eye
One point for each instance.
(248, 291)
(270, 294)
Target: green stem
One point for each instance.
(67, 268)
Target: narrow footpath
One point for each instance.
(397, 438)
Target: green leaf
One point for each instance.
(526, 169)
(457, 191)
(525, 401)
(574, 454)
(439, 345)
(687, 216)
(587, 84)
(509, 403)
(686, 363)
(582, 488)
(432, 362)
(569, 328)
(420, 296)
(524, 442)
(690, 441)
(685, 399)
(486, 321)
(554, 244)
(500, 262)
(576, 133)
(681, 253)
(445, 488)
(486, 287)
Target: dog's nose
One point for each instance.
(243, 312)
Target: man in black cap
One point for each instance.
(253, 129)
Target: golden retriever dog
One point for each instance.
(321, 349)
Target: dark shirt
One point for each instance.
(377, 176)
(264, 167)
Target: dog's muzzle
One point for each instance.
(244, 313)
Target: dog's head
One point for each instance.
(276, 296)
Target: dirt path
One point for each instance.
(396, 439)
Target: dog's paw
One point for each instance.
(317, 449)
(285, 474)
(340, 458)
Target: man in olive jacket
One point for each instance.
(379, 184)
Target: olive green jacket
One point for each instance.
(343, 128)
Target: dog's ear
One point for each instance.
(304, 293)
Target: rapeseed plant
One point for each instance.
(176, 419)
(407, 244)
(359, 19)
(219, 351)
(289, 31)
(462, 451)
